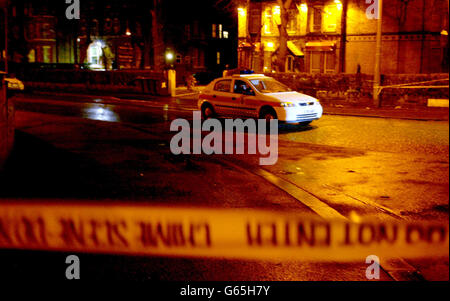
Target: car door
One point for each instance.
(243, 99)
(221, 97)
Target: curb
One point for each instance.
(416, 118)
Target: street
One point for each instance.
(117, 150)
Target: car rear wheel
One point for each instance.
(208, 111)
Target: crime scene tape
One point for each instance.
(215, 233)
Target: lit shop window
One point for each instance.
(95, 53)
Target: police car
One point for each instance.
(257, 96)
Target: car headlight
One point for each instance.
(287, 104)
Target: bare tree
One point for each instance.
(282, 52)
(157, 38)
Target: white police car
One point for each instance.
(257, 96)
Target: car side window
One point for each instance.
(223, 86)
(242, 87)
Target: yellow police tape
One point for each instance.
(217, 233)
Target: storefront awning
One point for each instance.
(295, 49)
(320, 46)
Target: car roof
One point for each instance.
(243, 76)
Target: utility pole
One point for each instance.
(377, 74)
(343, 36)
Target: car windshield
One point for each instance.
(269, 85)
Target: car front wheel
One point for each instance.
(268, 115)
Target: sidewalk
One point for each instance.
(183, 91)
(418, 113)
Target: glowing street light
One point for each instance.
(169, 56)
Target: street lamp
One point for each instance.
(169, 56)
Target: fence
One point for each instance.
(119, 81)
(359, 87)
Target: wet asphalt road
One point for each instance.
(401, 164)
(346, 161)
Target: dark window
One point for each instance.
(242, 87)
(255, 21)
(317, 18)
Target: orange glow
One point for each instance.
(242, 22)
(304, 7)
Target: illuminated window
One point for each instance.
(242, 22)
(214, 31)
(276, 12)
(331, 14)
(268, 20)
(95, 53)
(220, 27)
(218, 58)
(47, 54)
(226, 35)
(32, 56)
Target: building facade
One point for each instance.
(118, 34)
(331, 36)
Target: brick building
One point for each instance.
(331, 36)
(118, 34)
